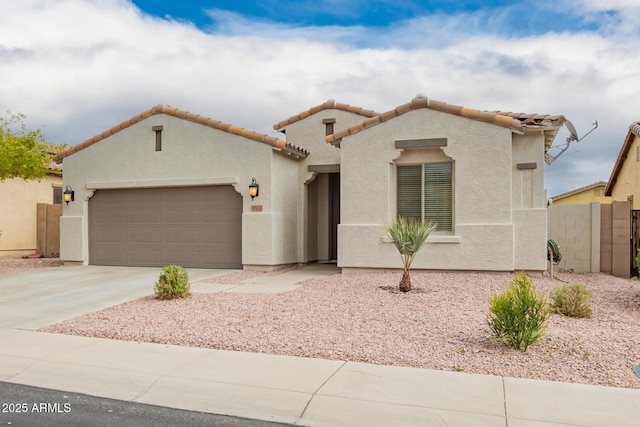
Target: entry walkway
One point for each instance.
(304, 391)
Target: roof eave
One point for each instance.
(275, 143)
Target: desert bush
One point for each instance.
(518, 315)
(572, 300)
(172, 283)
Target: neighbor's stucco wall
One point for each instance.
(585, 197)
(487, 232)
(18, 214)
(627, 185)
(191, 155)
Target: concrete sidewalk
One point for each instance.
(303, 391)
(310, 392)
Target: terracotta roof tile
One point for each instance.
(470, 113)
(372, 121)
(205, 121)
(402, 109)
(356, 128)
(517, 122)
(634, 132)
(327, 105)
(388, 115)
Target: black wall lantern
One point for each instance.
(254, 188)
(69, 194)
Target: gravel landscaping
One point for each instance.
(359, 317)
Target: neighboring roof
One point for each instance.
(634, 131)
(517, 122)
(206, 121)
(329, 104)
(54, 168)
(579, 190)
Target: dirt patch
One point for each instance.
(18, 265)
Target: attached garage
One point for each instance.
(198, 227)
(171, 187)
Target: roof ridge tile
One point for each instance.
(327, 105)
(517, 122)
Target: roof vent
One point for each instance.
(331, 100)
(420, 95)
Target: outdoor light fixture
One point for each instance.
(254, 188)
(69, 194)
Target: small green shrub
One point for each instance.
(517, 316)
(172, 283)
(572, 300)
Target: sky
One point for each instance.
(78, 67)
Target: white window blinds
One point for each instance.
(425, 192)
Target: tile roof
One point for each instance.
(276, 143)
(517, 122)
(329, 104)
(634, 132)
(579, 190)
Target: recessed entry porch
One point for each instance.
(323, 213)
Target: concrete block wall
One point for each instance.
(576, 229)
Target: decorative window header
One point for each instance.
(421, 143)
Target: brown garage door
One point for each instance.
(188, 226)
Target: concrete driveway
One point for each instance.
(32, 299)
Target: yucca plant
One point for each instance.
(409, 235)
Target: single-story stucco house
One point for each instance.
(172, 187)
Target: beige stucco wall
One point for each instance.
(192, 155)
(529, 214)
(310, 132)
(489, 233)
(627, 185)
(18, 215)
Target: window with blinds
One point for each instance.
(425, 192)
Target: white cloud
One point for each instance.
(78, 67)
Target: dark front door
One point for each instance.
(635, 240)
(334, 214)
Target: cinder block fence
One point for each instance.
(593, 237)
